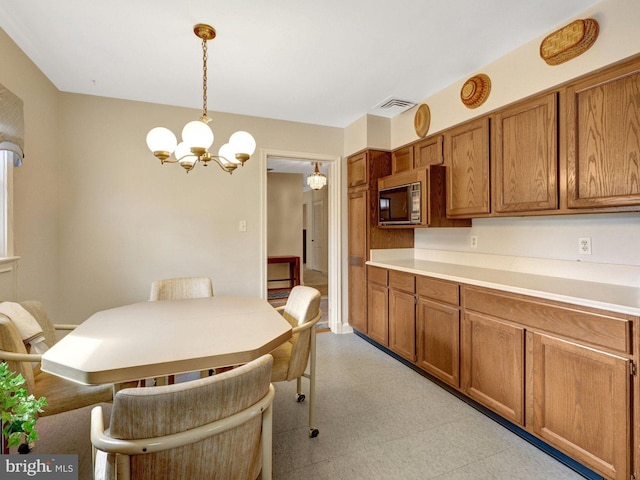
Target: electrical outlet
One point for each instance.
(584, 245)
(474, 241)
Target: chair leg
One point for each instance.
(267, 445)
(313, 431)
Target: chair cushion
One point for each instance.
(63, 395)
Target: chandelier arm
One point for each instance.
(227, 167)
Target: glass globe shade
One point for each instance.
(183, 151)
(197, 134)
(161, 139)
(228, 154)
(243, 142)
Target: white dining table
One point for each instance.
(160, 338)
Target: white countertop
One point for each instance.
(588, 293)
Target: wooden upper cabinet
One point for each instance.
(466, 156)
(402, 159)
(417, 155)
(525, 156)
(366, 167)
(603, 144)
(428, 152)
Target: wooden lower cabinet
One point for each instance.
(438, 340)
(402, 323)
(357, 298)
(378, 313)
(579, 401)
(562, 372)
(492, 365)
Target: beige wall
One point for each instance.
(284, 221)
(36, 186)
(125, 220)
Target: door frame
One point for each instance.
(334, 225)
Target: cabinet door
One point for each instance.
(603, 147)
(428, 152)
(402, 159)
(492, 365)
(357, 209)
(437, 340)
(466, 156)
(378, 313)
(357, 170)
(581, 403)
(526, 156)
(402, 324)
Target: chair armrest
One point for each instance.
(20, 357)
(308, 325)
(65, 326)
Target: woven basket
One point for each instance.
(569, 41)
(475, 91)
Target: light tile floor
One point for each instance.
(379, 419)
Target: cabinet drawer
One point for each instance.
(439, 290)
(402, 281)
(378, 275)
(595, 327)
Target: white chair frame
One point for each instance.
(124, 449)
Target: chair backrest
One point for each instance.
(157, 411)
(180, 288)
(11, 341)
(303, 306)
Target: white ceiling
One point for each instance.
(325, 62)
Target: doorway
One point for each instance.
(322, 216)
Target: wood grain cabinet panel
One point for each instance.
(402, 159)
(525, 160)
(428, 152)
(402, 314)
(358, 202)
(603, 147)
(580, 403)
(466, 156)
(438, 340)
(402, 324)
(492, 365)
(378, 305)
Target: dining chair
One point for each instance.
(217, 427)
(61, 395)
(290, 359)
(181, 288)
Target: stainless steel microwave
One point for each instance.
(400, 205)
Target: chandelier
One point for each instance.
(316, 180)
(197, 136)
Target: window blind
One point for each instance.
(11, 125)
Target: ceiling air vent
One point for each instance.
(393, 106)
